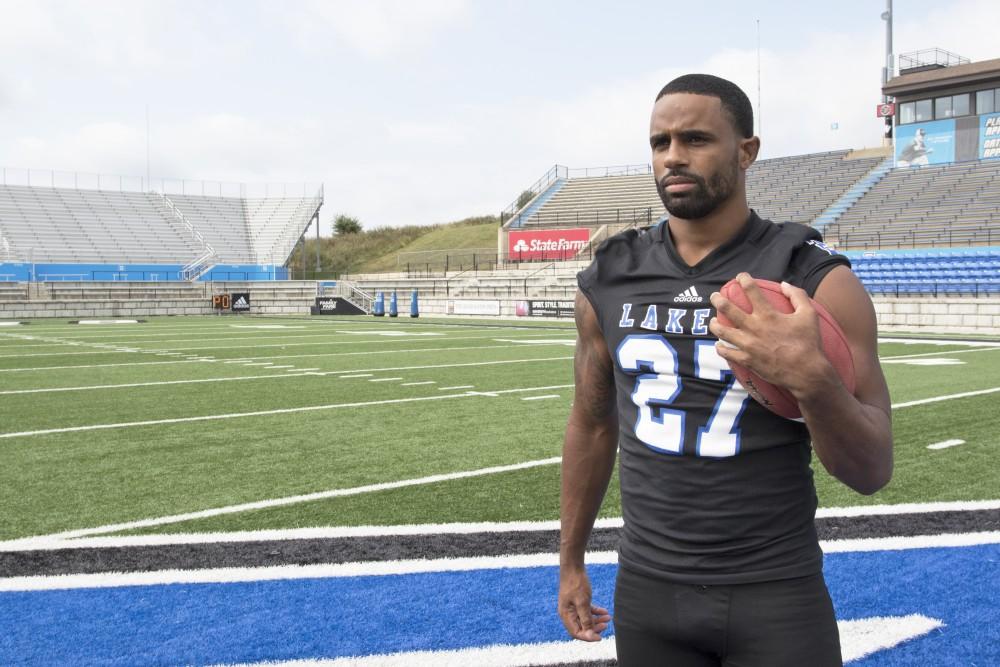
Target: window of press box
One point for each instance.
(986, 101)
(924, 110)
(951, 106)
(908, 113)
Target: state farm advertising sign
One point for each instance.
(547, 244)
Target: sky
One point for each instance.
(427, 111)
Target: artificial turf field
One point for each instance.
(122, 443)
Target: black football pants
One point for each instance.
(775, 624)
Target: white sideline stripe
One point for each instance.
(497, 655)
(415, 566)
(335, 532)
(358, 375)
(936, 399)
(264, 413)
(540, 398)
(270, 356)
(908, 508)
(858, 638)
(275, 367)
(417, 384)
(461, 386)
(292, 500)
(384, 379)
(946, 444)
(9, 324)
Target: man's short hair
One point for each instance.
(734, 101)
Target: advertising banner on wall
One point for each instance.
(989, 136)
(544, 309)
(546, 244)
(473, 307)
(334, 305)
(919, 144)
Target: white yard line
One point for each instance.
(272, 356)
(353, 374)
(939, 354)
(417, 384)
(949, 397)
(384, 379)
(356, 375)
(946, 444)
(939, 341)
(288, 500)
(461, 386)
(264, 413)
(336, 532)
(380, 341)
(390, 568)
(540, 398)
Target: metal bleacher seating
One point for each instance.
(54, 224)
(66, 225)
(786, 189)
(933, 206)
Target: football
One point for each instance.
(777, 399)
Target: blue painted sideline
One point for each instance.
(853, 194)
(536, 203)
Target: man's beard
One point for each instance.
(702, 200)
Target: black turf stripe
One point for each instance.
(404, 547)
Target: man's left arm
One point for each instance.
(851, 434)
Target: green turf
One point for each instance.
(89, 478)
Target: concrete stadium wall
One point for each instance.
(115, 299)
(913, 314)
(921, 315)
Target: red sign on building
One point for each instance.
(885, 110)
(547, 244)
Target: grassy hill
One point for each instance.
(378, 250)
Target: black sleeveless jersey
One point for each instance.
(715, 488)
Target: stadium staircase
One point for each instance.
(849, 198)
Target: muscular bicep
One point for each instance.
(845, 297)
(592, 367)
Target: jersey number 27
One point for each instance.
(659, 426)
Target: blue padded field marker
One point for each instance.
(414, 310)
(378, 308)
(393, 305)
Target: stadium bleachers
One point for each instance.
(795, 189)
(52, 224)
(933, 206)
(60, 224)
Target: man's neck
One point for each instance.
(696, 239)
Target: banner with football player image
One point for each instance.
(921, 144)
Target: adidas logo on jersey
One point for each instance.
(690, 295)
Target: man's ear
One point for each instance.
(748, 151)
